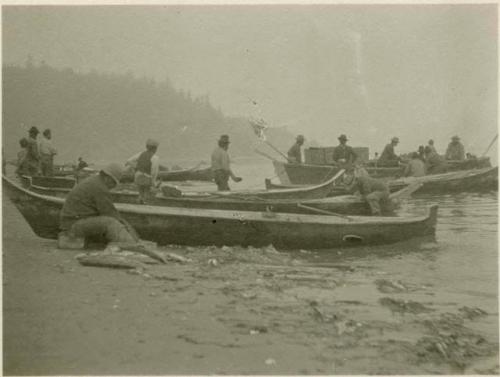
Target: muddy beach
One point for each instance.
(244, 311)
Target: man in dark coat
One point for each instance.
(344, 153)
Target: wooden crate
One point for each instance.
(314, 156)
(363, 153)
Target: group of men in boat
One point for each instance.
(425, 161)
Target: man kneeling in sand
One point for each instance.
(89, 212)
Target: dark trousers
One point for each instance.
(221, 178)
(47, 165)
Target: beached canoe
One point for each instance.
(310, 192)
(474, 180)
(187, 226)
(178, 175)
(308, 174)
(193, 174)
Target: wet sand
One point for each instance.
(230, 311)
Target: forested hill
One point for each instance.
(108, 117)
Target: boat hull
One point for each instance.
(307, 174)
(166, 225)
(346, 204)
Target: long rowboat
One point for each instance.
(345, 204)
(474, 180)
(186, 226)
(310, 192)
(308, 174)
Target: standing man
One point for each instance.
(294, 153)
(88, 211)
(374, 191)
(388, 157)
(344, 153)
(455, 150)
(32, 153)
(47, 153)
(221, 165)
(147, 165)
(22, 166)
(431, 145)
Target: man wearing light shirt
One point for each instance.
(221, 165)
(146, 165)
(47, 153)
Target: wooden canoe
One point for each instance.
(310, 192)
(473, 180)
(178, 175)
(307, 174)
(187, 226)
(347, 204)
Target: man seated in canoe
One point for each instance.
(455, 150)
(415, 167)
(434, 163)
(388, 157)
(146, 165)
(374, 191)
(89, 212)
(343, 153)
(294, 153)
(221, 165)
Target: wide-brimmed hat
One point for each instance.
(342, 137)
(34, 130)
(115, 171)
(395, 139)
(152, 143)
(224, 139)
(455, 138)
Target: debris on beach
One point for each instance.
(108, 260)
(471, 313)
(389, 286)
(404, 306)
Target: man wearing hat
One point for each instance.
(47, 153)
(455, 150)
(221, 165)
(32, 153)
(146, 165)
(294, 153)
(388, 157)
(344, 153)
(88, 211)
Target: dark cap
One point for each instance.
(34, 130)
(342, 137)
(224, 139)
(47, 131)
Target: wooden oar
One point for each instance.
(324, 212)
(406, 192)
(489, 146)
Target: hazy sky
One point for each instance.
(371, 72)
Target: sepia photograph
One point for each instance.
(250, 188)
